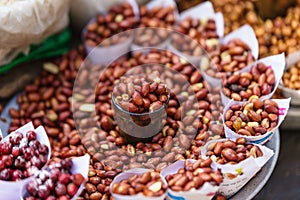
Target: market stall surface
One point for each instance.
(285, 180)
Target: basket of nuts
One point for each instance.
(261, 80)
(192, 179)
(139, 183)
(290, 83)
(254, 120)
(238, 161)
(24, 153)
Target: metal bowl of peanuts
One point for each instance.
(290, 83)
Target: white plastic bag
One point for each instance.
(28, 22)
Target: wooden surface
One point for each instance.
(15, 79)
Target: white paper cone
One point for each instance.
(126, 175)
(243, 171)
(276, 62)
(202, 11)
(105, 55)
(283, 107)
(10, 189)
(155, 3)
(206, 192)
(205, 11)
(80, 165)
(247, 35)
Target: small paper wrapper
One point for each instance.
(283, 107)
(247, 35)
(155, 3)
(164, 43)
(202, 11)
(243, 171)
(276, 62)
(11, 189)
(205, 11)
(206, 192)
(126, 175)
(291, 60)
(80, 165)
(106, 54)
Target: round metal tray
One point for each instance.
(246, 193)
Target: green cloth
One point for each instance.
(54, 45)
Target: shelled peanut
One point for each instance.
(219, 197)
(154, 25)
(242, 86)
(280, 35)
(148, 184)
(232, 152)
(196, 36)
(140, 94)
(252, 118)
(230, 57)
(194, 175)
(291, 77)
(119, 18)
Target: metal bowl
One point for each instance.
(287, 92)
(291, 60)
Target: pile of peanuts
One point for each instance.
(232, 152)
(149, 184)
(47, 101)
(230, 57)
(194, 175)
(291, 77)
(281, 34)
(253, 118)
(174, 142)
(274, 35)
(237, 13)
(163, 18)
(198, 34)
(119, 18)
(242, 86)
(140, 94)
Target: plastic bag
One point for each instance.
(28, 22)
